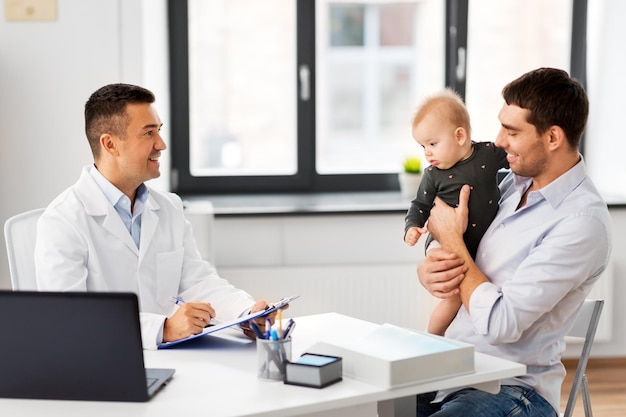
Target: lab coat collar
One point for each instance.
(97, 206)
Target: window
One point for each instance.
(367, 84)
(606, 60)
(506, 39)
(303, 95)
(298, 95)
(242, 88)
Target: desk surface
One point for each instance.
(217, 375)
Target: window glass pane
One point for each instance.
(506, 39)
(396, 24)
(347, 95)
(242, 87)
(346, 24)
(375, 61)
(604, 143)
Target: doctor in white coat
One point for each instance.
(110, 232)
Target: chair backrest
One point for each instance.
(584, 327)
(20, 232)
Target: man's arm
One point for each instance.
(447, 225)
(441, 273)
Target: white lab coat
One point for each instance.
(83, 245)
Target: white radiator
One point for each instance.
(376, 293)
(380, 294)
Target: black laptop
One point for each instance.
(74, 346)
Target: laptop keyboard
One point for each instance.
(150, 382)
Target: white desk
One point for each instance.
(216, 376)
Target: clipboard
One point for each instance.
(220, 326)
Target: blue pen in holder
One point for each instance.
(272, 358)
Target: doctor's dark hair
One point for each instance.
(105, 111)
(554, 99)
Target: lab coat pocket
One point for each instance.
(169, 266)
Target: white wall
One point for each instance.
(47, 72)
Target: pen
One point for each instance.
(274, 335)
(179, 301)
(279, 319)
(268, 328)
(256, 330)
(290, 326)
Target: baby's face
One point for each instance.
(440, 142)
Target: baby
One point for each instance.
(441, 126)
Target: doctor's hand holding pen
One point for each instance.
(189, 319)
(192, 317)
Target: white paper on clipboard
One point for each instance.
(212, 329)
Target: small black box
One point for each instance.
(313, 370)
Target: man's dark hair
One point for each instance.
(105, 111)
(553, 98)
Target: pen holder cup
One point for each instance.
(272, 358)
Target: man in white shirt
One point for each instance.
(547, 246)
(111, 232)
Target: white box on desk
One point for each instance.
(392, 356)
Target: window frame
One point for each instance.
(306, 178)
(181, 179)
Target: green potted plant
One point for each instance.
(413, 165)
(410, 177)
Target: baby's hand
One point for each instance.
(413, 234)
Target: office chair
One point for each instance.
(20, 232)
(584, 327)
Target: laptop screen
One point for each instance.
(72, 346)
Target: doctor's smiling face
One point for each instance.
(122, 127)
(133, 156)
(142, 144)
